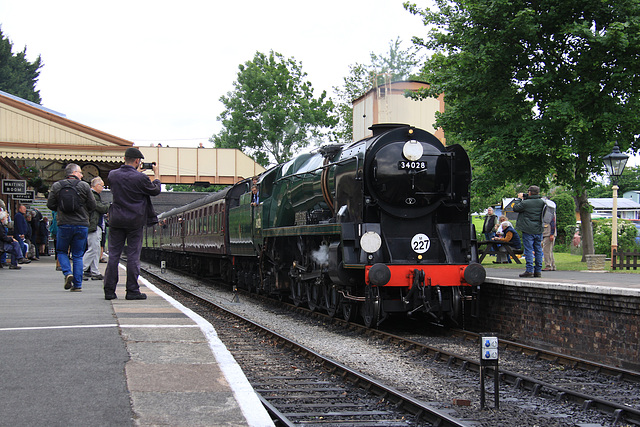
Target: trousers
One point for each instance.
(116, 241)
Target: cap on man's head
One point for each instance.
(133, 153)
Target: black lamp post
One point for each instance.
(615, 163)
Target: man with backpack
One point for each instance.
(72, 199)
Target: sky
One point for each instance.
(153, 71)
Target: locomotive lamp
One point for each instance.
(412, 150)
(615, 163)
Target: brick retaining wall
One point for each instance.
(582, 324)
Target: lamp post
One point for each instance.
(615, 163)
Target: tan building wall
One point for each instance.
(387, 104)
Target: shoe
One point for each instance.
(110, 296)
(526, 274)
(74, 289)
(97, 277)
(35, 259)
(86, 274)
(24, 261)
(132, 296)
(68, 281)
(537, 274)
(103, 260)
(14, 267)
(58, 268)
(547, 269)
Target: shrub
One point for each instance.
(627, 233)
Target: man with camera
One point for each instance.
(530, 209)
(130, 211)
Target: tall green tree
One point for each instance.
(18, 76)
(629, 181)
(394, 65)
(272, 111)
(538, 88)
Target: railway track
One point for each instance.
(300, 386)
(584, 393)
(621, 412)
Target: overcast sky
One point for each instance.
(153, 71)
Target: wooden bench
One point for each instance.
(492, 247)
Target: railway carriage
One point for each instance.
(378, 227)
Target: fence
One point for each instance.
(626, 260)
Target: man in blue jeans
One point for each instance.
(530, 210)
(73, 222)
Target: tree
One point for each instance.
(629, 181)
(395, 65)
(538, 89)
(17, 75)
(565, 215)
(272, 113)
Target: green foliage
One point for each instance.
(17, 75)
(627, 233)
(629, 181)
(32, 176)
(395, 65)
(565, 214)
(537, 90)
(272, 113)
(195, 188)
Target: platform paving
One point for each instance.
(75, 359)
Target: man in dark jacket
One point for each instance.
(530, 211)
(21, 228)
(72, 225)
(130, 211)
(96, 225)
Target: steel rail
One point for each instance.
(418, 408)
(536, 386)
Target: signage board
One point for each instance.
(14, 186)
(28, 197)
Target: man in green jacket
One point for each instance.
(530, 210)
(96, 224)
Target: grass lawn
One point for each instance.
(564, 261)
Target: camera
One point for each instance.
(147, 165)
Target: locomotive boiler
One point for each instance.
(375, 228)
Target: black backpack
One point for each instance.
(68, 197)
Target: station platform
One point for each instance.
(75, 359)
(597, 282)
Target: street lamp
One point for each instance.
(615, 163)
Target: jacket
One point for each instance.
(96, 214)
(489, 223)
(20, 226)
(530, 214)
(511, 237)
(131, 190)
(87, 203)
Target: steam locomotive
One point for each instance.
(375, 228)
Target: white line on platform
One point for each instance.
(250, 405)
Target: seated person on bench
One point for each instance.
(509, 237)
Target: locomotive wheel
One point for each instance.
(298, 293)
(332, 298)
(456, 305)
(313, 296)
(372, 306)
(349, 310)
